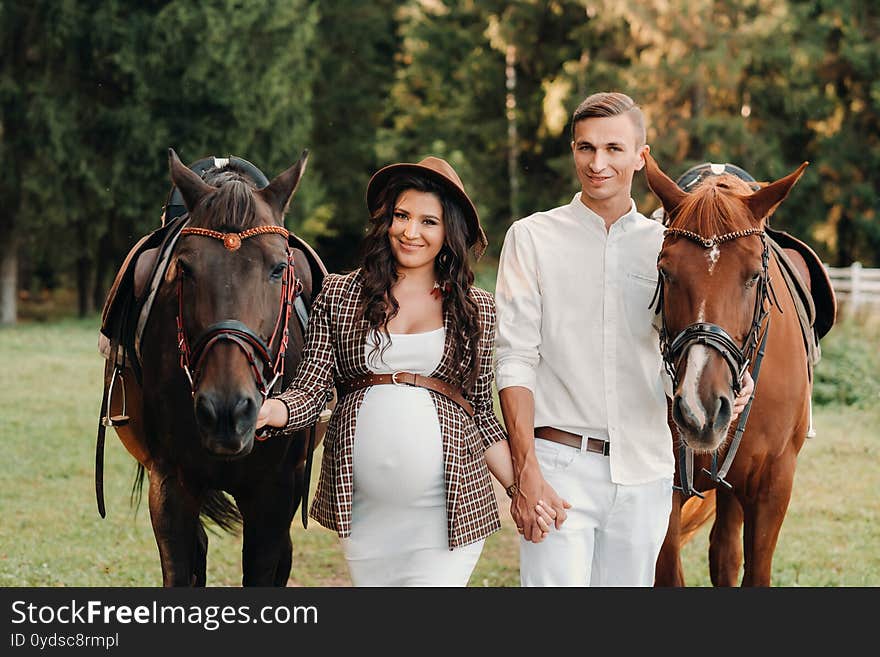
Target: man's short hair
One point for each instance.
(611, 103)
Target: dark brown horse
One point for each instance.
(222, 332)
(724, 308)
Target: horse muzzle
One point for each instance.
(703, 423)
(226, 422)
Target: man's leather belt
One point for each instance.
(407, 379)
(595, 445)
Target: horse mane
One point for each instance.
(231, 207)
(715, 207)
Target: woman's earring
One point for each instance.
(440, 289)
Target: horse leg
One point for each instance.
(668, 571)
(174, 514)
(725, 546)
(267, 551)
(763, 520)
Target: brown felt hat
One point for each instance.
(439, 171)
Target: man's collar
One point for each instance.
(622, 220)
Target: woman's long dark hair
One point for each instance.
(379, 270)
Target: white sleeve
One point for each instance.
(518, 302)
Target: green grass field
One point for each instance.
(52, 535)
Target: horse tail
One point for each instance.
(137, 487)
(694, 515)
(220, 509)
(217, 506)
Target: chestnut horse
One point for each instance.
(222, 333)
(724, 308)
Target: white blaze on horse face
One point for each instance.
(712, 256)
(698, 356)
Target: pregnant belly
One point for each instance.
(398, 448)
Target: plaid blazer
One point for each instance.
(334, 351)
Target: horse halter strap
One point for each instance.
(234, 330)
(737, 357)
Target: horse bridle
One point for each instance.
(235, 331)
(738, 357)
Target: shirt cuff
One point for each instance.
(515, 374)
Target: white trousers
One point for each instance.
(613, 533)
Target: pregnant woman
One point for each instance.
(407, 340)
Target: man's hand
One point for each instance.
(534, 503)
(748, 386)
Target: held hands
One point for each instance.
(748, 386)
(536, 508)
(546, 517)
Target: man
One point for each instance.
(579, 371)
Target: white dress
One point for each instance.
(398, 532)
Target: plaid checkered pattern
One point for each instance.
(334, 351)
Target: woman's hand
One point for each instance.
(272, 413)
(546, 516)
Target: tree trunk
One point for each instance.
(9, 281)
(83, 289)
(99, 289)
(512, 136)
(845, 254)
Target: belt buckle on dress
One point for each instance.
(395, 381)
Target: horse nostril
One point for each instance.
(681, 413)
(206, 411)
(244, 414)
(723, 413)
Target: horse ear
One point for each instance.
(670, 194)
(763, 202)
(191, 186)
(279, 192)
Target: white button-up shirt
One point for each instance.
(575, 328)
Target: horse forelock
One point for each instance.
(232, 206)
(717, 206)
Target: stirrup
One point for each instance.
(115, 420)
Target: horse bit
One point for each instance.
(234, 330)
(737, 357)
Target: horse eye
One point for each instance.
(754, 279)
(278, 272)
(186, 270)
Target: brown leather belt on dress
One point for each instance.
(595, 445)
(406, 379)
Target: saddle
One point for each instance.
(810, 288)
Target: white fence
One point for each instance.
(856, 288)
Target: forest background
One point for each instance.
(94, 92)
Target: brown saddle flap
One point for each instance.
(820, 288)
(122, 283)
(132, 278)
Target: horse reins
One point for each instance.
(737, 357)
(235, 331)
